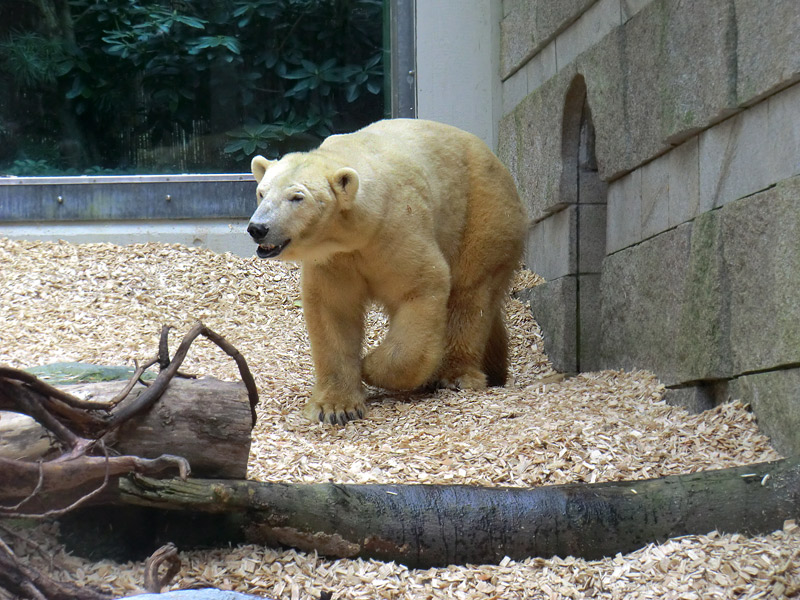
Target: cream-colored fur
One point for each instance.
(418, 216)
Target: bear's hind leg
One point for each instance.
(468, 330)
(476, 351)
(495, 356)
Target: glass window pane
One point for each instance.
(121, 86)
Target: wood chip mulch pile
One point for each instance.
(105, 304)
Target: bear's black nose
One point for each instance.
(257, 232)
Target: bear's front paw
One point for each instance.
(327, 408)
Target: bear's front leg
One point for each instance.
(414, 346)
(333, 306)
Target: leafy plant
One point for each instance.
(30, 167)
(254, 136)
(31, 58)
(107, 83)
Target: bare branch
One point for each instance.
(44, 388)
(137, 377)
(12, 509)
(166, 554)
(156, 389)
(17, 478)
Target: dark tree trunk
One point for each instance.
(429, 525)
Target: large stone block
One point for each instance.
(666, 74)
(593, 25)
(784, 133)
(519, 38)
(768, 43)
(515, 88)
(624, 212)
(760, 238)
(703, 336)
(735, 158)
(713, 298)
(603, 69)
(697, 78)
(568, 242)
(554, 306)
(591, 237)
(554, 17)
(589, 326)
(684, 182)
(539, 161)
(655, 197)
(531, 24)
(672, 70)
(551, 250)
(508, 140)
(591, 189)
(775, 400)
(642, 289)
(541, 67)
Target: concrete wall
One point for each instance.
(666, 207)
(458, 72)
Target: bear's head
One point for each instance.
(304, 201)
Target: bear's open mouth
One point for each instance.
(270, 251)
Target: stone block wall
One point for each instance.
(657, 145)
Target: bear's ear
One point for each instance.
(259, 166)
(345, 185)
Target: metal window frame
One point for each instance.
(402, 63)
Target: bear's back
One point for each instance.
(425, 175)
(408, 141)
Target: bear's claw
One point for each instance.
(341, 417)
(335, 415)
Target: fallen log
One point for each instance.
(206, 421)
(431, 525)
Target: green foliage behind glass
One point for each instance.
(159, 86)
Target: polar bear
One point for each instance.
(417, 216)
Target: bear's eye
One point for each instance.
(296, 197)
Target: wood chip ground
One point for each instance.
(105, 304)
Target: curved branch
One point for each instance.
(168, 554)
(157, 387)
(19, 398)
(19, 478)
(244, 370)
(45, 389)
(69, 418)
